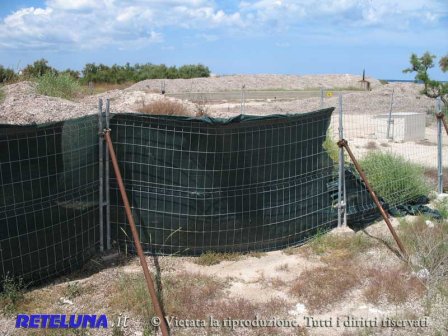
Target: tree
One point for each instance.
(433, 88)
(38, 68)
(7, 75)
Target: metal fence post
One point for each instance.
(342, 215)
(100, 172)
(439, 148)
(389, 119)
(243, 99)
(106, 180)
(321, 98)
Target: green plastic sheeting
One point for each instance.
(228, 185)
(48, 198)
(242, 184)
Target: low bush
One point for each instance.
(394, 178)
(392, 285)
(331, 147)
(427, 242)
(164, 107)
(2, 94)
(324, 286)
(7, 75)
(11, 294)
(212, 258)
(54, 85)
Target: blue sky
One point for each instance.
(252, 36)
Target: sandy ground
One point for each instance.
(259, 279)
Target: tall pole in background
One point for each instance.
(342, 213)
(439, 147)
(106, 178)
(321, 98)
(243, 98)
(389, 119)
(100, 172)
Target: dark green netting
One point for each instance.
(48, 198)
(247, 183)
(241, 184)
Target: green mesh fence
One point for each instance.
(48, 198)
(242, 184)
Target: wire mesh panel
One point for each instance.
(392, 132)
(248, 183)
(48, 197)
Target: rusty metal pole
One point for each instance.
(138, 246)
(343, 144)
(441, 116)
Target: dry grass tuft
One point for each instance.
(191, 296)
(282, 267)
(392, 285)
(164, 107)
(428, 247)
(332, 246)
(431, 174)
(104, 87)
(212, 258)
(291, 250)
(256, 254)
(371, 145)
(324, 286)
(185, 295)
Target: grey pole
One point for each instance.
(242, 108)
(100, 171)
(439, 149)
(321, 98)
(389, 119)
(342, 217)
(106, 179)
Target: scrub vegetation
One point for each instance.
(394, 178)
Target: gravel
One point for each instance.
(252, 82)
(22, 105)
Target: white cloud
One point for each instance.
(90, 24)
(384, 13)
(94, 23)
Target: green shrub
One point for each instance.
(331, 147)
(2, 94)
(7, 75)
(11, 294)
(54, 85)
(37, 69)
(394, 178)
(118, 74)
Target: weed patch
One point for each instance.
(11, 295)
(2, 94)
(371, 145)
(331, 147)
(340, 246)
(394, 178)
(428, 246)
(73, 290)
(54, 85)
(212, 258)
(164, 107)
(442, 206)
(324, 286)
(392, 285)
